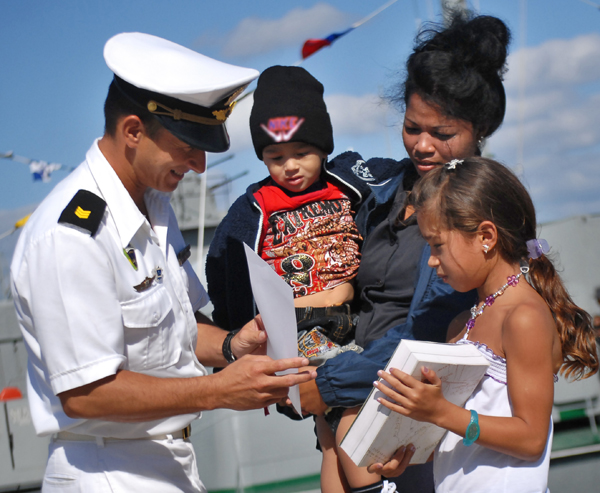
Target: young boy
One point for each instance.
(299, 219)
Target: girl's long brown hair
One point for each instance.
(481, 189)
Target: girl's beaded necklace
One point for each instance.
(489, 301)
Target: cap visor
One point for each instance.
(209, 138)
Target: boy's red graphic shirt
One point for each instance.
(311, 239)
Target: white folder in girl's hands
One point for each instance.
(377, 432)
(275, 301)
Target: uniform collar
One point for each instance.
(127, 217)
(159, 207)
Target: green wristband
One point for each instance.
(472, 432)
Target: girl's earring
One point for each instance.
(486, 248)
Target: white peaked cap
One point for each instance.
(164, 67)
(190, 94)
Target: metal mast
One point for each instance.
(449, 6)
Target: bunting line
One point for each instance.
(40, 170)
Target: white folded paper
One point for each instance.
(275, 301)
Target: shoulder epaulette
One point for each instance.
(85, 211)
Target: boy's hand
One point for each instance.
(396, 465)
(310, 397)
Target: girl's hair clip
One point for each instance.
(452, 164)
(536, 248)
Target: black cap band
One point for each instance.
(203, 128)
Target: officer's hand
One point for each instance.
(252, 339)
(251, 383)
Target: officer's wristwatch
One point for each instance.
(227, 353)
(472, 432)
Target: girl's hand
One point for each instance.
(422, 401)
(396, 465)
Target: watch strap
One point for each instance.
(472, 433)
(227, 353)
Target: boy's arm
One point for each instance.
(228, 281)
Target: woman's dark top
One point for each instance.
(386, 279)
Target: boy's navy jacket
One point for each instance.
(347, 379)
(227, 277)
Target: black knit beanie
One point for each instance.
(289, 107)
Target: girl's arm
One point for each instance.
(528, 338)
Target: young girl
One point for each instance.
(480, 223)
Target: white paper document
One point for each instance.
(275, 302)
(377, 432)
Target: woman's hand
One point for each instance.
(422, 401)
(396, 465)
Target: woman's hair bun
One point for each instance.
(479, 43)
(488, 39)
(460, 68)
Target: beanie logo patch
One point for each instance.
(362, 171)
(283, 128)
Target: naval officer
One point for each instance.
(107, 300)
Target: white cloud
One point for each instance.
(535, 104)
(557, 123)
(555, 126)
(564, 186)
(238, 125)
(555, 63)
(356, 115)
(255, 35)
(560, 110)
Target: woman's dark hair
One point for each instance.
(480, 190)
(118, 105)
(459, 69)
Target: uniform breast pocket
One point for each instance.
(150, 339)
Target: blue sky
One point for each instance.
(54, 81)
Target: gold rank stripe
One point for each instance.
(82, 214)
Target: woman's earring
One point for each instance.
(486, 248)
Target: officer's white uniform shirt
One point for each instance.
(81, 317)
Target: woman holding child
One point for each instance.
(454, 99)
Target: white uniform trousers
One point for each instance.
(122, 466)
